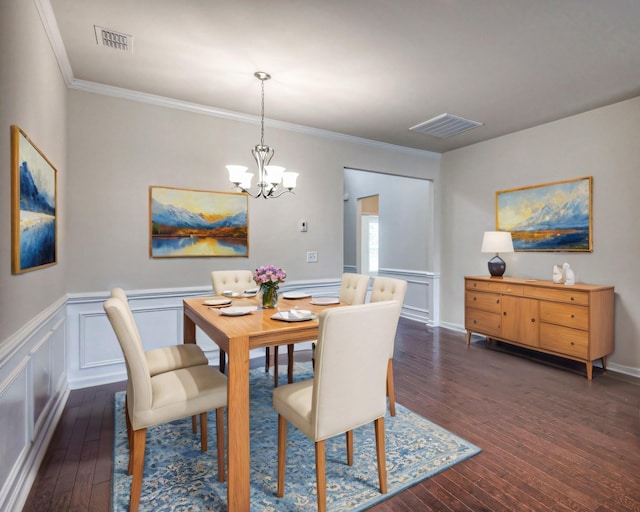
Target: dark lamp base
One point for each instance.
(497, 266)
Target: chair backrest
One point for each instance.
(353, 288)
(352, 353)
(139, 394)
(387, 288)
(232, 281)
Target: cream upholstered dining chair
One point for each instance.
(240, 281)
(237, 281)
(353, 291)
(164, 397)
(348, 387)
(387, 288)
(165, 359)
(353, 288)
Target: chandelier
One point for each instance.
(273, 180)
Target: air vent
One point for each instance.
(112, 39)
(445, 125)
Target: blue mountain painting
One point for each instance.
(570, 215)
(32, 199)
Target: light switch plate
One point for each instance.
(312, 256)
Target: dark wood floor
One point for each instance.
(551, 440)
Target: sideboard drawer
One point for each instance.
(484, 301)
(568, 315)
(487, 323)
(560, 295)
(564, 340)
(495, 286)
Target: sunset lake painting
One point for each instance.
(551, 217)
(192, 223)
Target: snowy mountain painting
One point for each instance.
(552, 217)
(34, 206)
(190, 223)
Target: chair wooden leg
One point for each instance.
(290, 363)
(129, 437)
(267, 363)
(194, 424)
(381, 454)
(222, 365)
(275, 366)
(282, 453)
(350, 448)
(138, 439)
(321, 476)
(204, 438)
(220, 442)
(390, 388)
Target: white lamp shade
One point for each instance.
(245, 182)
(274, 174)
(497, 241)
(236, 173)
(289, 179)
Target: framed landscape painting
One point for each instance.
(192, 223)
(551, 217)
(33, 206)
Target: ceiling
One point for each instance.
(365, 68)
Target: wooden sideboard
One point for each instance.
(575, 322)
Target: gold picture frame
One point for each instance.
(553, 217)
(186, 223)
(33, 206)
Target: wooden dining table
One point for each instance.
(237, 335)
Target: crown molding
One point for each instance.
(196, 108)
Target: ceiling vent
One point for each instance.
(112, 39)
(445, 125)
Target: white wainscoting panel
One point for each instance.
(33, 392)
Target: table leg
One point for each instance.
(238, 490)
(188, 330)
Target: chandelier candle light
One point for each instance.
(269, 278)
(270, 177)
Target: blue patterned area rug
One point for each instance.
(178, 476)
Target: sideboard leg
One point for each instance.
(604, 364)
(589, 370)
(468, 337)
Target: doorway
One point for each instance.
(368, 237)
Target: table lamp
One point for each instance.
(497, 241)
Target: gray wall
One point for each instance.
(118, 148)
(33, 96)
(602, 143)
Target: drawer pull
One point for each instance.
(573, 298)
(474, 298)
(475, 322)
(533, 320)
(573, 316)
(572, 343)
(497, 301)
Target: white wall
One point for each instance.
(602, 143)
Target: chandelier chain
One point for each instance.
(262, 118)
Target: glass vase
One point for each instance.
(269, 296)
